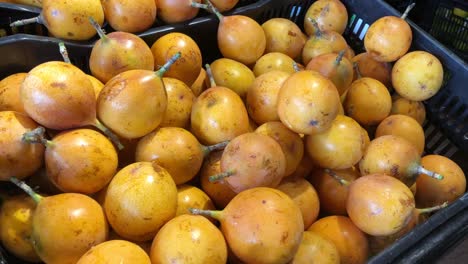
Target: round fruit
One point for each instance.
(17, 158)
(274, 61)
(308, 102)
(191, 197)
(379, 205)
(417, 76)
(329, 15)
(369, 67)
(316, 249)
(283, 35)
(10, 98)
(432, 192)
(115, 251)
(189, 238)
(262, 96)
(180, 99)
(130, 16)
(322, 42)
(339, 147)
(405, 127)
(188, 67)
(170, 11)
(139, 200)
(368, 101)
(233, 75)
(410, 108)
(254, 238)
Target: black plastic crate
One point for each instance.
(446, 128)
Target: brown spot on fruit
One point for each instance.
(58, 85)
(313, 122)
(284, 237)
(291, 33)
(394, 170)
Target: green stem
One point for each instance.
(337, 177)
(211, 213)
(435, 175)
(214, 10)
(339, 58)
(36, 197)
(356, 67)
(26, 21)
(98, 29)
(113, 137)
(168, 64)
(207, 149)
(318, 32)
(198, 5)
(296, 67)
(37, 136)
(210, 75)
(64, 52)
(221, 176)
(408, 9)
(431, 209)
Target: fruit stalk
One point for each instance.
(358, 72)
(318, 32)
(432, 209)
(98, 29)
(26, 21)
(339, 58)
(199, 5)
(337, 177)
(210, 213)
(168, 64)
(64, 52)
(296, 67)
(210, 75)
(213, 9)
(208, 149)
(36, 197)
(221, 176)
(408, 9)
(113, 137)
(37, 136)
(435, 175)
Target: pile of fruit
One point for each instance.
(289, 149)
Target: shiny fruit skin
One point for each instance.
(380, 205)
(305, 197)
(130, 16)
(393, 156)
(417, 76)
(329, 15)
(115, 251)
(70, 19)
(180, 99)
(388, 38)
(117, 53)
(414, 109)
(290, 142)
(261, 158)
(368, 101)
(133, 103)
(189, 239)
(351, 242)
(262, 225)
(224, 5)
(140, 199)
(67, 225)
(233, 75)
(369, 67)
(81, 161)
(218, 191)
(339, 147)
(241, 38)
(97, 85)
(262, 96)
(173, 148)
(308, 102)
(405, 127)
(16, 227)
(191, 197)
(341, 74)
(315, 248)
(273, 61)
(188, 66)
(18, 158)
(332, 194)
(175, 11)
(59, 96)
(432, 192)
(218, 114)
(326, 42)
(283, 35)
(10, 96)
